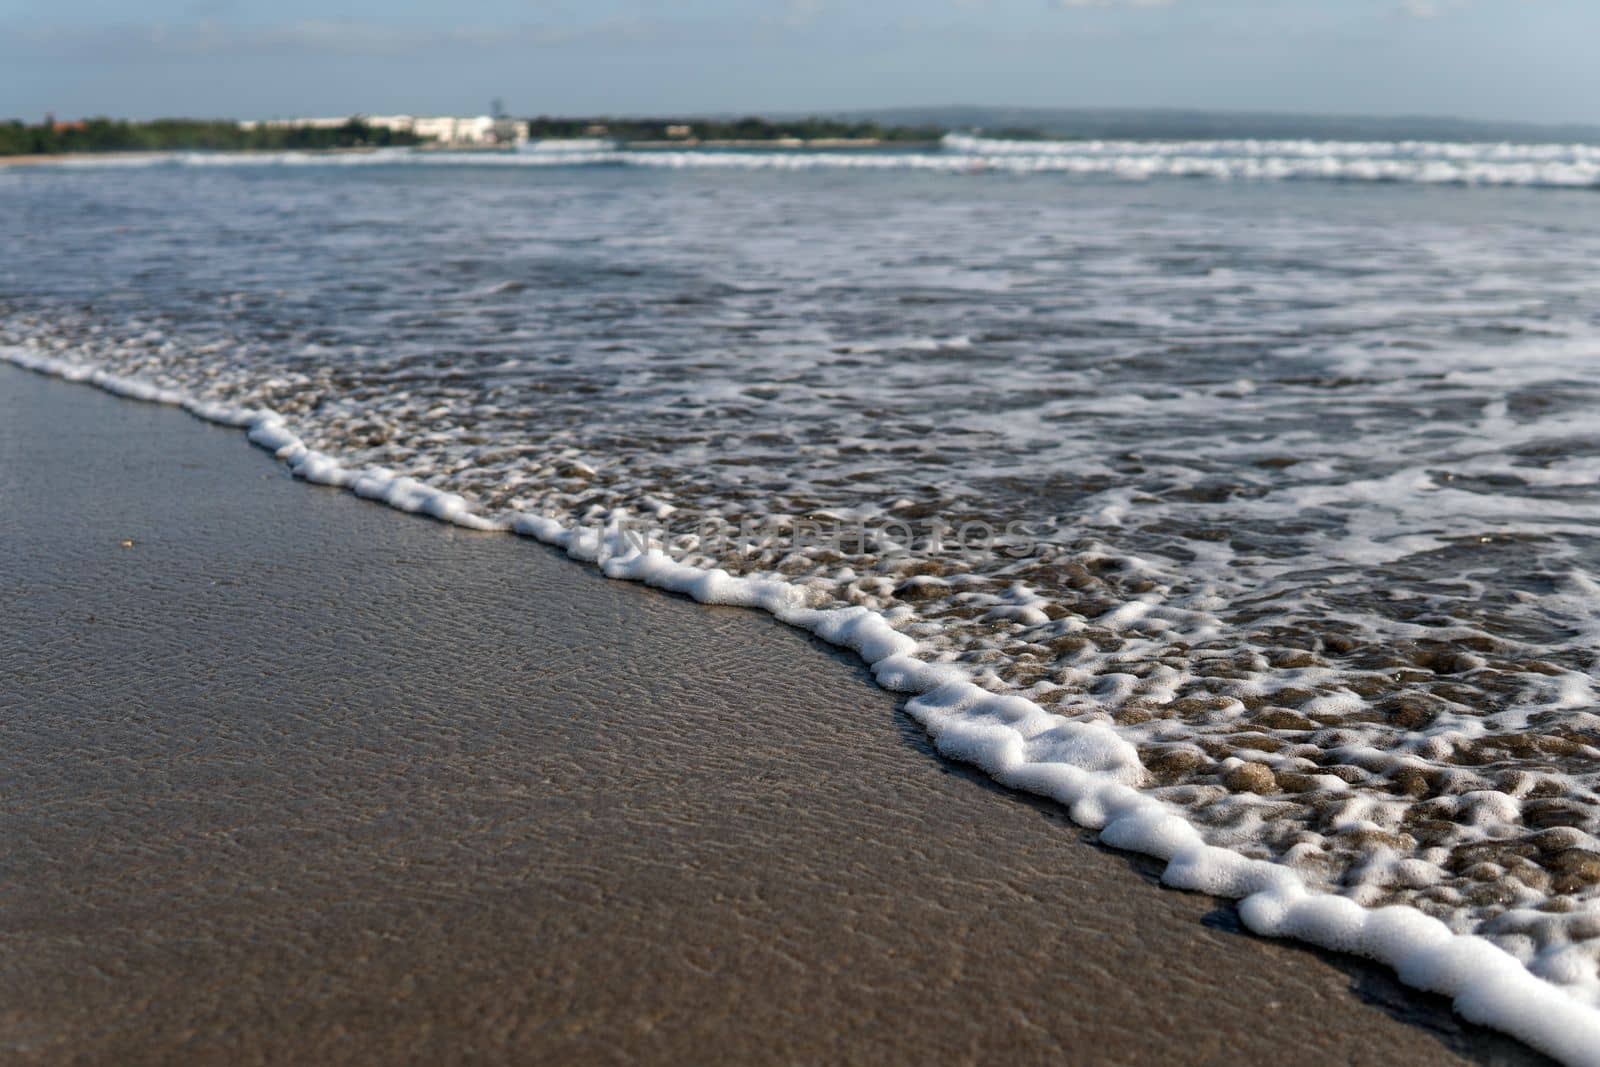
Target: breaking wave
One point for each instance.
(1556, 166)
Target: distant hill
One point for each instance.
(1177, 124)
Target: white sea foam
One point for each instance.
(268, 430)
(1086, 766)
(1429, 163)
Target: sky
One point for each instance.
(1502, 59)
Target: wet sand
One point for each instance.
(295, 777)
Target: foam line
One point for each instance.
(1086, 767)
(1574, 166)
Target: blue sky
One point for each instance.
(1514, 59)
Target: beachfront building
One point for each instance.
(481, 131)
(478, 131)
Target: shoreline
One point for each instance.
(825, 144)
(1160, 928)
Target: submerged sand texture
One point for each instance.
(293, 777)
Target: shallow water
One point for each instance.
(1301, 476)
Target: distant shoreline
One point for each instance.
(895, 128)
(824, 144)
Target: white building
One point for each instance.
(479, 131)
(476, 131)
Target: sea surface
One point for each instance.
(1281, 458)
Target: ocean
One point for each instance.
(1259, 481)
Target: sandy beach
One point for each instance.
(288, 776)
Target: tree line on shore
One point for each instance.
(114, 135)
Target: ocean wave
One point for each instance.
(1533, 166)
